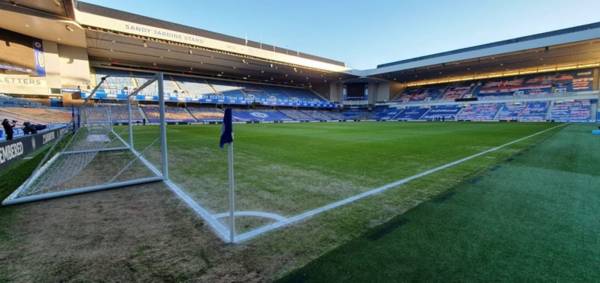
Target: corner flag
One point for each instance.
(227, 138)
(227, 129)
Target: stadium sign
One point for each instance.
(23, 84)
(108, 23)
(11, 151)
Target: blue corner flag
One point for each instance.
(227, 129)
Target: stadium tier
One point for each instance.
(42, 115)
(384, 113)
(530, 86)
(445, 112)
(297, 115)
(320, 115)
(120, 113)
(185, 89)
(206, 114)
(582, 110)
(172, 114)
(526, 112)
(572, 111)
(479, 112)
(246, 115)
(411, 113)
(355, 114)
(9, 101)
(536, 111)
(335, 115)
(510, 111)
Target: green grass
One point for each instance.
(534, 218)
(282, 168)
(290, 168)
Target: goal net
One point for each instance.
(104, 152)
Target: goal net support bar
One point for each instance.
(24, 194)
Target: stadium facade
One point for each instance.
(57, 51)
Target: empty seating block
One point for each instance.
(572, 111)
(318, 115)
(246, 115)
(411, 113)
(534, 111)
(503, 88)
(187, 89)
(205, 114)
(479, 112)
(172, 114)
(446, 112)
(297, 115)
(356, 114)
(510, 111)
(36, 115)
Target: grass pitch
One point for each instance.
(145, 233)
(534, 218)
(290, 168)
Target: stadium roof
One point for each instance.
(110, 21)
(116, 38)
(130, 17)
(556, 49)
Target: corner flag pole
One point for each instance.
(231, 193)
(227, 138)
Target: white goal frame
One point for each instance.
(158, 175)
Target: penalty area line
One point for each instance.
(308, 214)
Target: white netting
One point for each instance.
(98, 154)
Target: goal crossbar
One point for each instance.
(105, 127)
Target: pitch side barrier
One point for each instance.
(14, 150)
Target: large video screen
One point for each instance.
(21, 54)
(355, 90)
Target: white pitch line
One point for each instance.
(259, 214)
(220, 230)
(297, 218)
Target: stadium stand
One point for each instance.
(384, 113)
(318, 115)
(116, 86)
(172, 114)
(297, 115)
(479, 112)
(246, 115)
(335, 115)
(572, 111)
(452, 93)
(206, 114)
(520, 86)
(536, 111)
(9, 101)
(411, 113)
(187, 89)
(355, 114)
(510, 111)
(44, 116)
(421, 94)
(445, 112)
(196, 89)
(120, 113)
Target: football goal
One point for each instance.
(104, 151)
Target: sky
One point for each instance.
(365, 33)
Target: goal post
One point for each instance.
(103, 153)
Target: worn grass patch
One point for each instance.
(10, 179)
